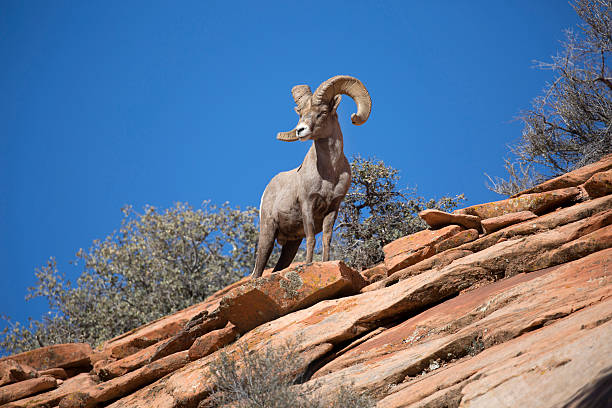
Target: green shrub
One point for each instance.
(157, 263)
(375, 212)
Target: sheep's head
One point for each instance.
(318, 111)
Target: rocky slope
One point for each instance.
(502, 304)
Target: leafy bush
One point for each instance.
(375, 212)
(265, 379)
(570, 124)
(157, 263)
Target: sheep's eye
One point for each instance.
(321, 114)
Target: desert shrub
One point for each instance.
(570, 124)
(376, 211)
(265, 379)
(157, 263)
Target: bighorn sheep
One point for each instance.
(301, 202)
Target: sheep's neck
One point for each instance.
(328, 153)
(329, 149)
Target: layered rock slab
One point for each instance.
(599, 185)
(239, 310)
(443, 318)
(25, 388)
(56, 356)
(542, 224)
(414, 248)
(212, 341)
(375, 273)
(163, 328)
(543, 368)
(438, 219)
(322, 325)
(52, 398)
(117, 387)
(326, 323)
(247, 306)
(491, 225)
(334, 322)
(470, 322)
(11, 372)
(248, 303)
(538, 203)
(573, 178)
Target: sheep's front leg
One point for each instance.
(265, 244)
(328, 229)
(309, 231)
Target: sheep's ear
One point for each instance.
(336, 103)
(295, 108)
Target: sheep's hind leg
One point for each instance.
(328, 229)
(309, 230)
(265, 244)
(287, 254)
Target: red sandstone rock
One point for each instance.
(538, 203)
(521, 298)
(319, 281)
(411, 249)
(426, 325)
(439, 219)
(59, 355)
(514, 256)
(269, 297)
(375, 273)
(456, 240)
(444, 254)
(305, 285)
(543, 368)
(587, 244)
(436, 262)
(11, 372)
(478, 320)
(519, 310)
(58, 373)
(99, 355)
(599, 185)
(25, 388)
(417, 248)
(573, 178)
(53, 397)
(161, 329)
(212, 341)
(107, 369)
(117, 387)
(293, 265)
(496, 223)
(151, 333)
(247, 306)
(544, 223)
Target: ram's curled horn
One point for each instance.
(301, 95)
(290, 136)
(347, 85)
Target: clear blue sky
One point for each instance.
(107, 103)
